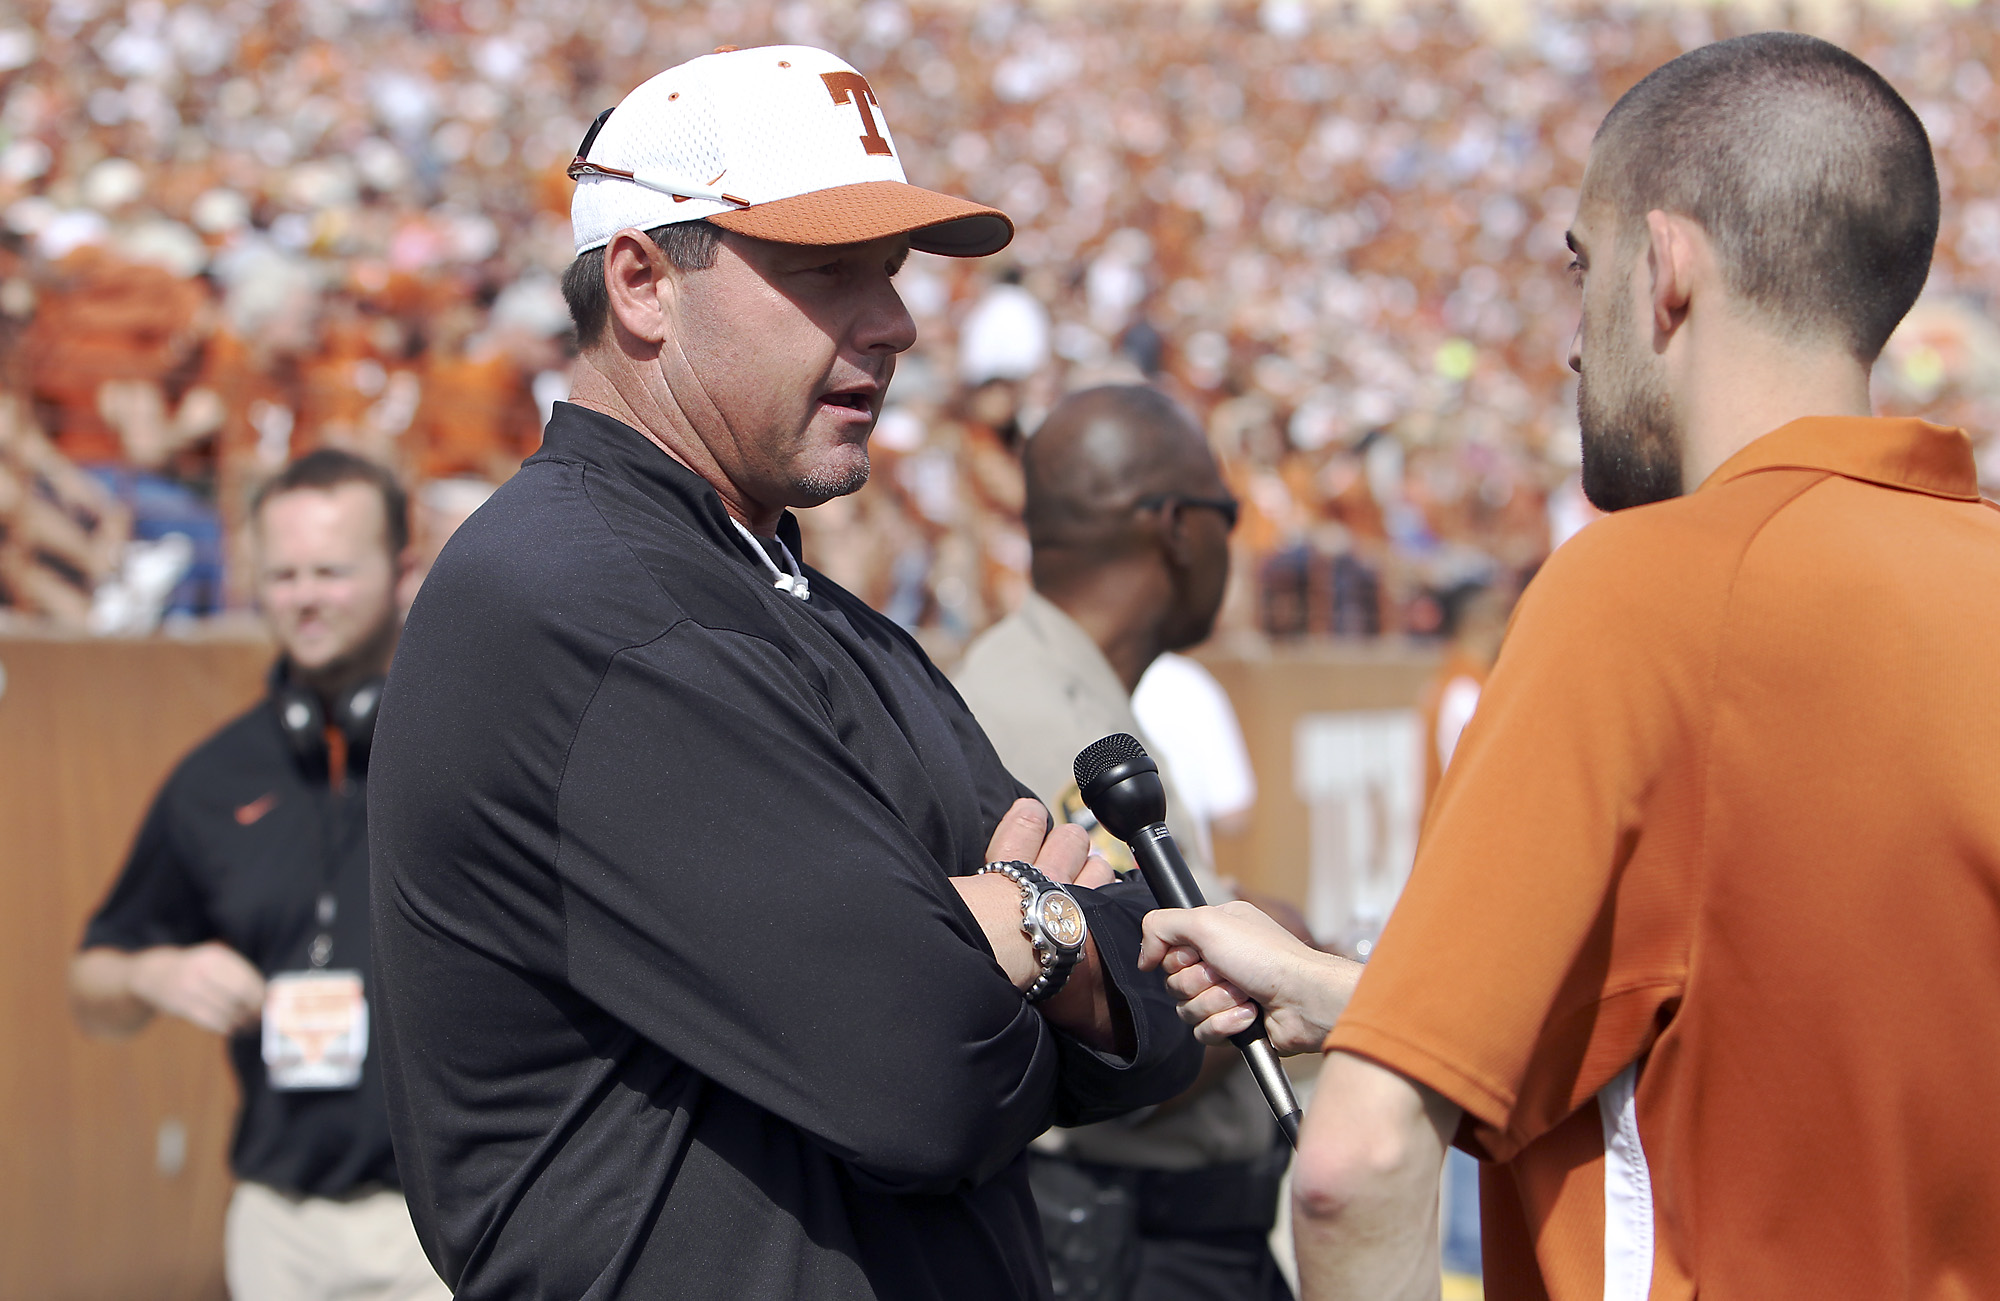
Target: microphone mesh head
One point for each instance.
(1119, 747)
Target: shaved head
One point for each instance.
(1129, 519)
(1098, 454)
(1812, 178)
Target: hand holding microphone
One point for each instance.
(1226, 962)
(1121, 785)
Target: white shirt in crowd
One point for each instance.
(1185, 713)
(1005, 336)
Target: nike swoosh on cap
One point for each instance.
(256, 809)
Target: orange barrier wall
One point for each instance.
(113, 1175)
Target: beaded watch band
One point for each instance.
(1052, 920)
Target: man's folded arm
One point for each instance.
(734, 893)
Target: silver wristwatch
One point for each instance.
(1053, 922)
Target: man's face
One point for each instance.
(1631, 437)
(780, 356)
(325, 578)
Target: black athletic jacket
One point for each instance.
(676, 999)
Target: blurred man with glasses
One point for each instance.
(1129, 520)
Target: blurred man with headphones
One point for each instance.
(243, 906)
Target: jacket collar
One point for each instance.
(578, 434)
(1913, 455)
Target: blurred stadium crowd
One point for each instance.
(233, 230)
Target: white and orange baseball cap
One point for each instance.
(784, 142)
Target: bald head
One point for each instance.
(1130, 519)
(1812, 178)
(1099, 453)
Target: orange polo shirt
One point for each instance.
(1704, 931)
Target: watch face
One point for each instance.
(1062, 920)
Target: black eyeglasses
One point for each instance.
(1227, 507)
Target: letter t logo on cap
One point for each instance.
(754, 120)
(852, 87)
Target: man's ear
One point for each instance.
(639, 282)
(1176, 539)
(1674, 246)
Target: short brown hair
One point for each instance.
(1806, 169)
(327, 468)
(689, 245)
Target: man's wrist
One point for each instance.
(1325, 983)
(995, 904)
(1089, 1009)
(102, 996)
(1051, 920)
(148, 972)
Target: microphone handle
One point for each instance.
(1173, 886)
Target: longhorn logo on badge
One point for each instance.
(852, 88)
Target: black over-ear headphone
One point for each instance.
(304, 722)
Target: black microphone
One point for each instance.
(1121, 785)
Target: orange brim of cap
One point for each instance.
(871, 210)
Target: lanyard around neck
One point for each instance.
(794, 582)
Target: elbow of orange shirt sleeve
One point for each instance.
(1488, 1107)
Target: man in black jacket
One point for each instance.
(243, 907)
(693, 983)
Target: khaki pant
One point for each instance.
(282, 1248)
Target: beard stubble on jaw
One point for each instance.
(1631, 446)
(825, 483)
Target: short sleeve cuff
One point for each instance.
(1479, 1098)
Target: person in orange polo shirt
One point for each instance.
(1701, 952)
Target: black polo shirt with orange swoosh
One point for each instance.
(678, 997)
(237, 847)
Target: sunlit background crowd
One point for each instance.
(233, 230)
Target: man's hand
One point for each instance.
(211, 985)
(1219, 959)
(1064, 855)
(114, 993)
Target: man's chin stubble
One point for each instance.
(1630, 459)
(1615, 479)
(824, 485)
